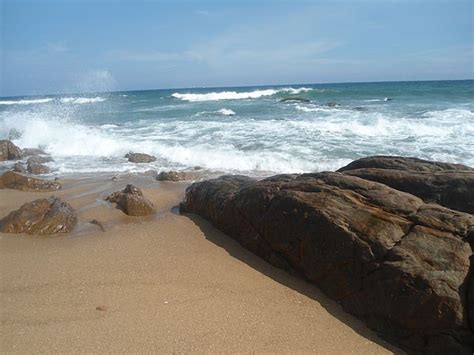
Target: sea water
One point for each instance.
(247, 130)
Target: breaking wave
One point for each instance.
(234, 95)
(81, 100)
(25, 102)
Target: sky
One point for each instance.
(60, 46)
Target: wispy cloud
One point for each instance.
(203, 12)
(56, 47)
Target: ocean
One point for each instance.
(246, 130)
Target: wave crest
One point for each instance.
(234, 95)
(25, 102)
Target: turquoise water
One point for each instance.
(247, 129)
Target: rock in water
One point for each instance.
(450, 185)
(17, 181)
(140, 158)
(171, 176)
(33, 152)
(9, 151)
(43, 216)
(131, 201)
(386, 256)
(19, 168)
(36, 168)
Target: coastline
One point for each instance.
(167, 283)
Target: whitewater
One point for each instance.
(252, 130)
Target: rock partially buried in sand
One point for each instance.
(17, 181)
(387, 257)
(41, 217)
(171, 176)
(140, 158)
(9, 151)
(131, 201)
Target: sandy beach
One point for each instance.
(167, 283)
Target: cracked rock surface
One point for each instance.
(387, 256)
(41, 217)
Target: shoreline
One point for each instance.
(168, 283)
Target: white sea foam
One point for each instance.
(318, 138)
(25, 102)
(226, 112)
(81, 100)
(234, 95)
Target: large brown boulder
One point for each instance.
(450, 185)
(43, 216)
(140, 158)
(131, 201)
(387, 257)
(9, 151)
(17, 181)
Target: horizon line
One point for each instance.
(236, 86)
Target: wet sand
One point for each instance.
(167, 283)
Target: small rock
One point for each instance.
(171, 176)
(17, 181)
(41, 217)
(98, 224)
(332, 104)
(19, 167)
(101, 308)
(140, 158)
(9, 151)
(131, 201)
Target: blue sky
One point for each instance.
(70, 45)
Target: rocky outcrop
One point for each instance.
(171, 176)
(131, 201)
(450, 185)
(140, 158)
(17, 181)
(43, 216)
(403, 163)
(386, 256)
(9, 151)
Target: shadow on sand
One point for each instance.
(298, 284)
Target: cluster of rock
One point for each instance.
(34, 164)
(51, 215)
(374, 236)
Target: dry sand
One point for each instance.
(169, 283)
